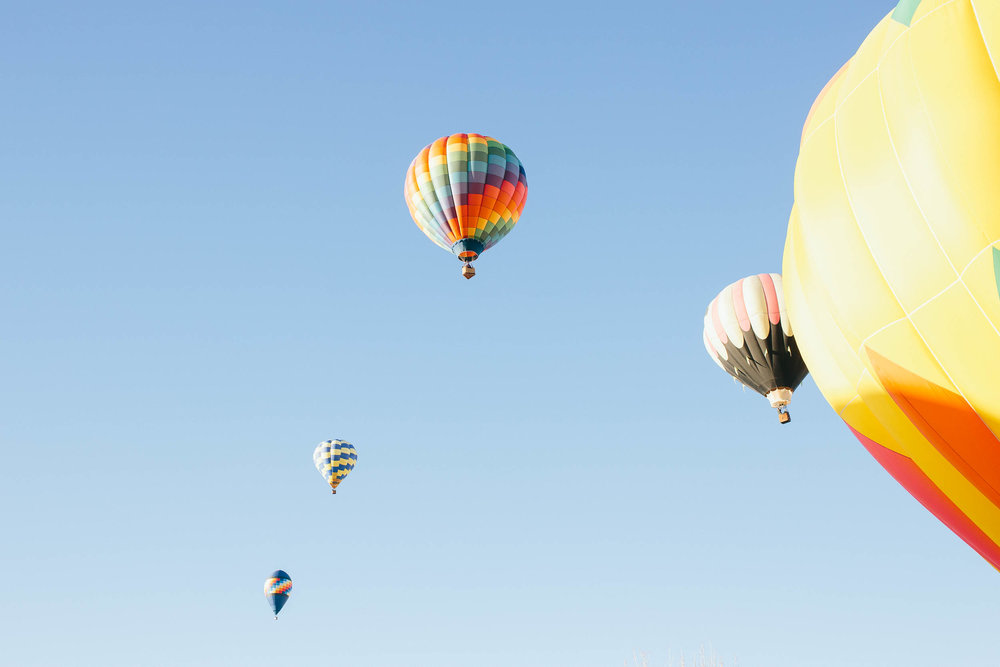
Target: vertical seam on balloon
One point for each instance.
(428, 226)
(972, 3)
(923, 215)
(902, 171)
(460, 220)
(770, 297)
(784, 320)
(484, 212)
(937, 140)
(854, 215)
(759, 291)
(930, 125)
(508, 152)
(892, 143)
(456, 229)
(444, 225)
(430, 197)
(740, 306)
(474, 216)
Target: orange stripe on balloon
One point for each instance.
(460, 141)
(947, 421)
(438, 147)
(475, 209)
(919, 485)
(520, 198)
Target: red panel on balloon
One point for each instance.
(910, 477)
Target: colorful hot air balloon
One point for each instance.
(335, 459)
(892, 260)
(748, 335)
(276, 590)
(466, 192)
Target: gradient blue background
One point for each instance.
(208, 267)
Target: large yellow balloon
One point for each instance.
(892, 260)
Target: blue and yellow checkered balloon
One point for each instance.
(335, 459)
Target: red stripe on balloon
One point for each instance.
(948, 422)
(740, 305)
(771, 297)
(920, 486)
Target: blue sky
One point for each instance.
(208, 268)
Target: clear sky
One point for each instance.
(208, 267)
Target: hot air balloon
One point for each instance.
(276, 590)
(335, 459)
(466, 192)
(748, 335)
(892, 258)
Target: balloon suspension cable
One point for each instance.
(783, 415)
(779, 399)
(468, 270)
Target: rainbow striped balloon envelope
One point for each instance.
(466, 192)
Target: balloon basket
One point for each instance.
(784, 417)
(468, 270)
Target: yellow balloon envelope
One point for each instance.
(892, 260)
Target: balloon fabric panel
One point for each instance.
(745, 335)
(335, 459)
(277, 587)
(892, 258)
(466, 188)
(911, 478)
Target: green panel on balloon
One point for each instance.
(904, 11)
(996, 268)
